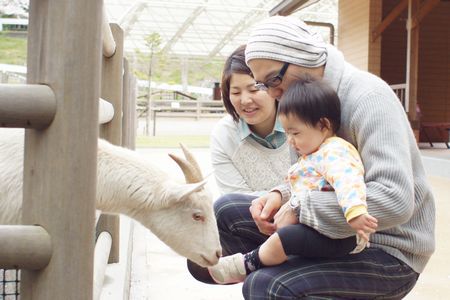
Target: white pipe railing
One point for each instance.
(101, 256)
(400, 91)
(105, 111)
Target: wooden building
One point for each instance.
(407, 43)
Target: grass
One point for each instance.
(172, 141)
(13, 50)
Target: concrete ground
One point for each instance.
(160, 274)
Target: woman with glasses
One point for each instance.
(249, 151)
(281, 50)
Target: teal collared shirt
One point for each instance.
(272, 141)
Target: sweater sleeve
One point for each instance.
(228, 177)
(380, 129)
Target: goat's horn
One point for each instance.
(189, 172)
(191, 159)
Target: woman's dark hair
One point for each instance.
(235, 63)
(311, 101)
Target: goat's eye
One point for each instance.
(198, 217)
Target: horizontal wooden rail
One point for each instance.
(109, 44)
(26, 105)
(24, 247)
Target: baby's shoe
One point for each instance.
(229, 269)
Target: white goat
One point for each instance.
(181, 215)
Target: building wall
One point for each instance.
(353, 31)
(375, 17)
(356, 21)
(434, 64)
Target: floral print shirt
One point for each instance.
(337, 165)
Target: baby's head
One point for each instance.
(310, 113)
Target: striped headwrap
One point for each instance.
(286, 39)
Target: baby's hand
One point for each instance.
(364, 224)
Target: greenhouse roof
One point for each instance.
(190, 27)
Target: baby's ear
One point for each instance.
(325, 124)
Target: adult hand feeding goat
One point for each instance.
(181, 215)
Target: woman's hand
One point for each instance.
(285, 216)
(263, 209)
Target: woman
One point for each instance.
(249, 151)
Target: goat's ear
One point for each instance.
(180, 192)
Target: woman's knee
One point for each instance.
(222, 202)
(231, 205)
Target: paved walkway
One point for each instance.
(160, 274)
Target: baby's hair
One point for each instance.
(311, 100)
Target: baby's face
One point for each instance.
(304, 138)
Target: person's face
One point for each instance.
(304, 138)
(251, 104)
(264, 70)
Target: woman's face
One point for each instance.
(254, 106)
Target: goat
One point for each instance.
(180, 215)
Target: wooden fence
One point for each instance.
(196, 109)
(59, 106)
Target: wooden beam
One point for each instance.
(412, 64)
(112, 90)
(24, 247)
(60, 162)
(425, 9)
(395, 12)
(26, 105)
(129, 108)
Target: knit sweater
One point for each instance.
(398, 194)
(244, 165)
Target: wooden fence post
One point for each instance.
(129, 108)
(111, 90)
(60, 162)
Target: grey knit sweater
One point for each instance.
(398, 194)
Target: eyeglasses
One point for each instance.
(274, 81)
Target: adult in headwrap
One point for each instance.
(281, 50)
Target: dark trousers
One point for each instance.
(371, 274)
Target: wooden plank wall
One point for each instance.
(353, 32)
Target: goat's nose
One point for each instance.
(219, 253)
